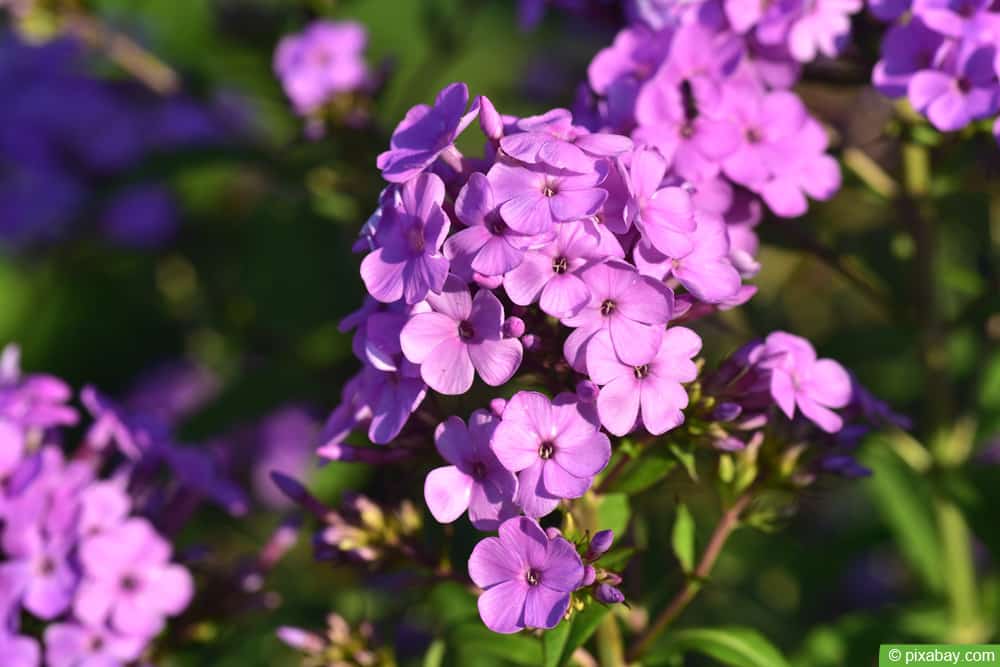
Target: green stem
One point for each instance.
(610, 649)
(956, 545)
(729, 521)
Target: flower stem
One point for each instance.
(609, 643)
(729, 521)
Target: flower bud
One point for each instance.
(608, 594)
(589, 575)
(599, 544)
(726, 411)
(513, 327)
(490, 120)
(497, 406)
(531, 342)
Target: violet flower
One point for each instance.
(534, 197)
(633, 308)
(462, 336)
(78, 645)
(954, 98)
(653, 388)
(550, 273)
(476, 481)
(664, 215)
(526, 577)
(129, 580)
(552, 446)
(799, 379)
(408, 262)
(426, 133)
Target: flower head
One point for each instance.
(526, 576)
(799, 379)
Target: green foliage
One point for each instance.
(735, 646)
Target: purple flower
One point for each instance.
(39, 569)
(654, 387)
(19, 651)
(608, 594)
(76, 645)
(705, 270)
(634, 309)
(765, 122)
(487, 245)
(906, 49)
(462, 336)
(550, 274)
(526, 577)
(821, 28)
(799, 379)
(552, 139)
(664, 215)
(426, 133)
(888, 10)
(475, 481)
(533, 198)
(599, 544)
(324, 59)
(130, 581)
(953, 99)
(961, 18)
(805, 170)
(556, 450)
(408, 263)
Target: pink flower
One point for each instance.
(460, 337)
(799, 379)
(634, 309)
(654, 387)
(476, 481)
(556, 450)
(664, 215)
(408, 263)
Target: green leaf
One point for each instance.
(613, 513)
(435, 654)
(739, 647)
(584, 625)
(616, 558)
(474, 640)
(904, 501)
(554, 642)
(643, 472)
(686, 459)
(683, 538)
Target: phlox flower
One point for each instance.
(427, 132)
(653, 389)
(555, 449)
(526, 576)
(954, 97)
(634, 309)
(664, 215)
(475, 480)
(78, 645)
(324, 59)
(799, 379)
(461, 336)
(408, 263)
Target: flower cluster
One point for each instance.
(566, 260)
(80, 552)
(51, 162)
(708, 85)
(943, 56)
(322, 61)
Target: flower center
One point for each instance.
(478, 470)
(466, 330)
(687, 131)
(753, 135)
(129, 583)
(964, 85)
(46, 567)
(532, 578)
(496, 225)
(95, 644)
(415, 237)
(640, 371)
(546, 450)
(560, 265)
(607, 307)
(549, 188)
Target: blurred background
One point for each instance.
(167, 217)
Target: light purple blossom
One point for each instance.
(550, 273)
(461, 336)
(633, 308)
(953, 98)
(526, 576)
(821, 27)
(555, 449)
(426, 133)
(408, 262)
(799, 379)
(653, 388)
(18, 650)
(129, 580)
(324, 59)
(664, 215)
(39, 569)
(553, 140)
(77, 645)
(476, 481)
(534, 197)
